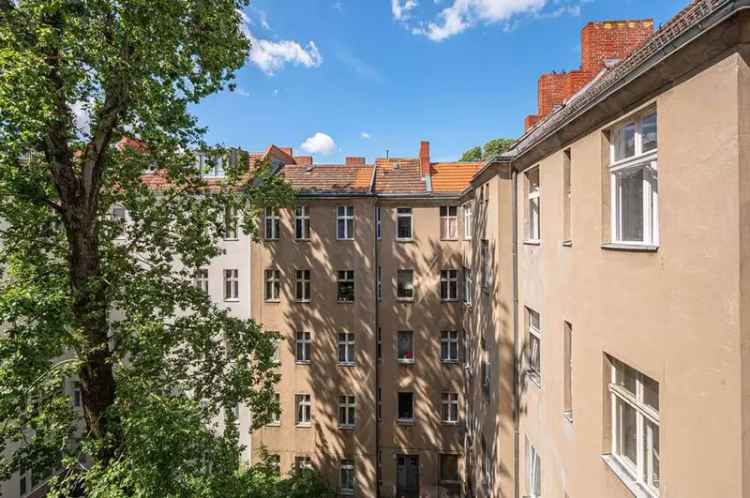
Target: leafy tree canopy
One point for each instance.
(84, 295)
(492, 148)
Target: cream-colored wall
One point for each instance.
(672, 314)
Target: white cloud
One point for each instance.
(359, 66)
(401, 10)
(82, 117)
(461, 15)
(320, 143)
(365, 136)
(271, 56)
(241, 92)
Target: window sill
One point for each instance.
(449, 362)
(348, 364)
(344, 302)
(303, 426)
(403, 421)
(567, 243)
(449, 240)
(405, 241)
(272, 301)
(405, 300)
(299, 362)
(235, 239)
(405, 362)
(274, 424)
(231, 300)
(630, 247)
(303, 301)
(345, 240)
(449, 301)
(346, 427)
(271, 240)
(302, 240)
(532, 242)
(448, 424)
(619, 471)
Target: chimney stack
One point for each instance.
(424, 158)
(355, 161)
(303, 160)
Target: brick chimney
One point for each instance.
(424, 158)
(602, 44)
(355, 161)
(303, 160)
(288, 150)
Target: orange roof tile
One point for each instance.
(328, 178)
(398, 176)
(453, 177)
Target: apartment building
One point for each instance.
(363, 279)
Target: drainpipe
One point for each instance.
(516, 360)
(377, 360)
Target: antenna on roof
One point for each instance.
(387, 153)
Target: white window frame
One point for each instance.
(271, 224)
(303, 284)
(449, 284)
(413, 289)
(347, 478)
(468, 286)
(210, 165)
(200, 279)
(231, 285)
(406, 214)
(276, 357)
(648, 161)
(345, 214)
(302, 410)
(533, 471)
(276, 417)
(348, 277)
(302, 347)
(348, 408)
(448, 223)
(346, 343)
(272, 276)
(534, 224)
(645, 415)
(406, 359)
(468, 220)
(302, 223)
(534, 333)
(449, 406)
(449, 342)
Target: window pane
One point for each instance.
(405, 406)
(648, 133)
(651, 392)
(630, 211)
(625, 142)
(405, 345)
(652, 455)
(626, 377)
(627, 435)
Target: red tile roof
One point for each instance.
(398, 176)
(453, 177)
(328, 178)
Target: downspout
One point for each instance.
(516, 360)
(377, 331)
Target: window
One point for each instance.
(345, 290)
(449, 285)
(380, 468)
(276, 415)
(231, 285)
(567, 197)
(635, 424)
(405, 285)
(380, 404)
(273, 285)
(380, 284)
(76, 394)
(346, 348)
(380, 344)
(468, 221)
(634, 181)
(347, 408)
(378, 223)
(449, 469)
(568, 370)
(486, 262)
(200, 279)
(403, 224)
(210, 166)
(120, 216)
(276, 358)
(533, 471)
(406, 346)
(303, 409)
(468, 286)
(230, 223)
(347, 481)
(533, 210)
(449, 408)
(303, 286)
(405, 407)
(449, 346)
(275, 461)
(303, 347)
(302, 223)
(345, 222)
(534, 341)
(448, 223)
(272, 224)
(302, 463)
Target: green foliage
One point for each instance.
(263, 481)
(83, 295)
(492, 148)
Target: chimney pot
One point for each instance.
(355, 161)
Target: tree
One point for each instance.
(472, 155)
(83, 294)
(492, 148)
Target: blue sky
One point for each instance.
(357, 77)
